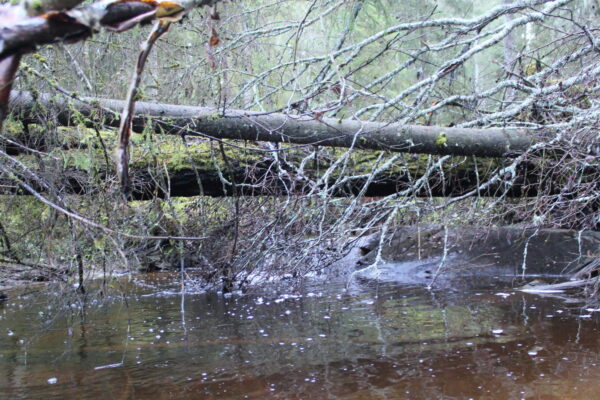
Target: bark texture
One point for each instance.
(262, 179)
(20, 33)
(283, 128)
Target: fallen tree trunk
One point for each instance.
(193, 182)
(259, 174)
(283, 128)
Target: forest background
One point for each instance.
(481, 72)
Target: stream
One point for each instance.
(319, 340)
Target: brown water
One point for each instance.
(317, 342)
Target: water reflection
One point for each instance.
(318, 342)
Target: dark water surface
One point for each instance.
(318, 342)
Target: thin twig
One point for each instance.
(122, 150)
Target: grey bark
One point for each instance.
(260, 172)
(249, 125)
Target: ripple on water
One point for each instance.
(378, 341)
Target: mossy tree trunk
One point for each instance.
(283, 128)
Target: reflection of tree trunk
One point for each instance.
(311, 129)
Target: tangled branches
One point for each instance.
(530, 64)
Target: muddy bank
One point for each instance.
(417, 254)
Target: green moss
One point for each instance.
(40, 58)
(213, 117)
(139, 95)
(81, 149)
(442, 140)
(12, 128)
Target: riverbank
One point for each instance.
(423, 255)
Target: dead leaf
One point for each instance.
(169, 9)
(214, 38)
(336, 89)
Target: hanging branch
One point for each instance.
(122, 150)
(21, 32)
(25, 26)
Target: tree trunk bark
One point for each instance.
(260, 175)
(284, 128)
(24, 33)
